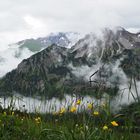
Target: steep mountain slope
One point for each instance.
(114, 58)
(36, 73)
(10, 58)
(112, 46)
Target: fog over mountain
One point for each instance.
(11, 57)
(27, 19)
(113, 55)
(58, 44)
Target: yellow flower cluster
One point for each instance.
(73, 109)
(5, 113)
(105, 127)
(38, 120)
(96, 113)
(12, 113)
(78, 102)
(89, 106)
(114, 123)
(62, 111)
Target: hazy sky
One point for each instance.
(20, 19)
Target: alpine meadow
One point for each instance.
(70, 70)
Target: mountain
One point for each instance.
(63, 39)
(106, 61)
(10, 58)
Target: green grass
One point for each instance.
(68, 124)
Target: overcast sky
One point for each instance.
(20, 19)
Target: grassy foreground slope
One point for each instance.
(95, 122)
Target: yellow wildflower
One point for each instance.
(62, 110)
(114, 123)
(78, 102)
(4, 113)
(38, 120)
(12, 113)
(96, 113)
(89, 106)
(73, 109)
(105, 127)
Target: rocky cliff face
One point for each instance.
(57, 70)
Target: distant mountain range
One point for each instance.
(63, 39)
(107, 61)
(10, 58)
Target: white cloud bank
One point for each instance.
(9, 61)
(22, 19)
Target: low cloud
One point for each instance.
(29, 18)
(10, 58)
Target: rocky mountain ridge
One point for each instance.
(57, 70)
(11, 57)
